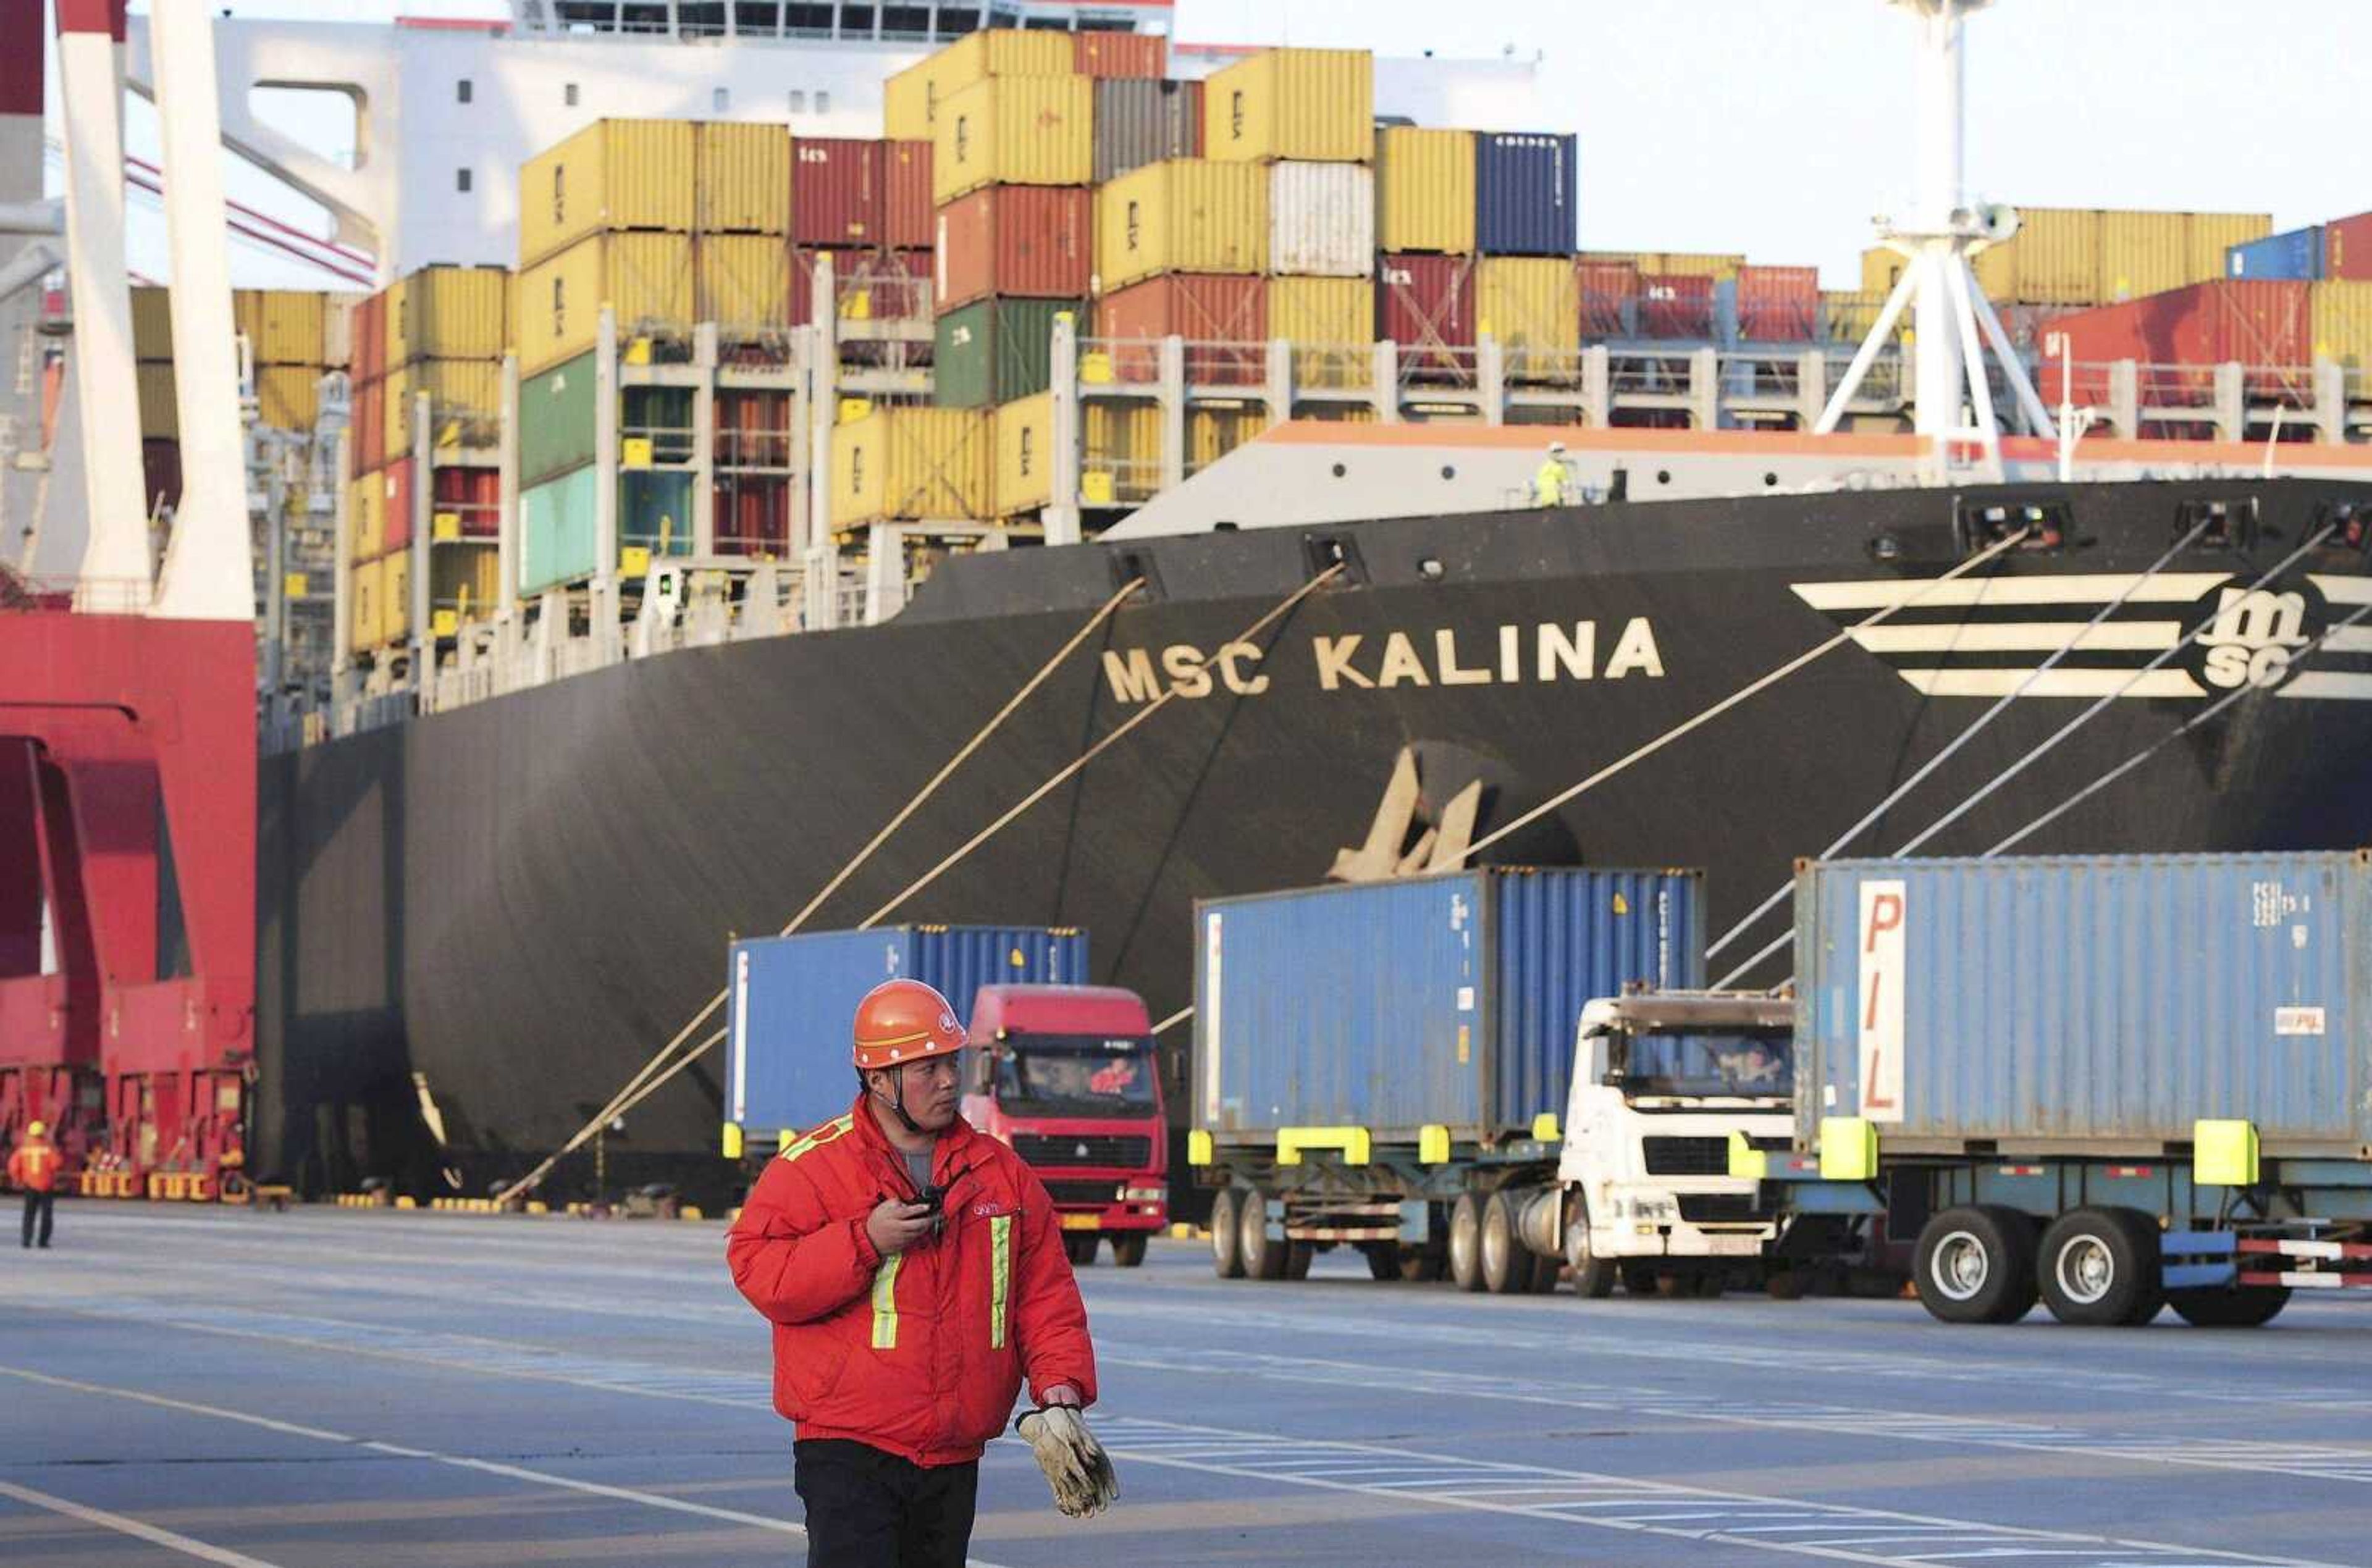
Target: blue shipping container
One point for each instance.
(789, 1002)
(2061, 1005)
(1524, 200)
(2295, 256)
(1450, 999)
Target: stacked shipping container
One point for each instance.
(2084, 256)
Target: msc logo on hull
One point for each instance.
(2185, 635)
(1543, 654)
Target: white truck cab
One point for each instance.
(1660, 1081)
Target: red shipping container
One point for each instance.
(471, 495)
(1119, 54)
(1671, 306)
(753, 430)
(396, 485)
(873, 285)
(836, 191)
(1210, 310)
(1609, 297)
(2264, 323)
(1425, 304)
(753, 514)
(1778, 305)
(366, 429)
(369, 345)
(907, 216)
(2347, 249)
(1019, 241)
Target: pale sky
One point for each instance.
(1778, 127)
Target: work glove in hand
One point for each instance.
(1077, 1466)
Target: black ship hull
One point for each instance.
(519, 900)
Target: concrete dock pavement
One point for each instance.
(339, 1387)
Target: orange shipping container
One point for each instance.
(1213, 311)
(1016, 241)
(1109, 54)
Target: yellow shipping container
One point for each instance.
(395, 597)
(1182, 216)
(366, 518)
(1121, 461)
(362, 606)
(448, 313)
(2342, 323)
(1213, 433)
(283, 326)
(288, 397)
(1531, 304)
(2211, 233)
(613, 175)
(743, 282)
(152, 325)
(743, 178)
(911, 99)
(160, 417)
(645, 279)
(2144, 253)
(1715, 264)
(461, 393)
(2054, 259)
(1025, 455)
(1424, 190)
(464, 581)
(1847, 316)
(1014, 131)
(1880, 268)
(1337, 315)
(1292, 103)
(914, 463)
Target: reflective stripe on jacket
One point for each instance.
(921, 1354)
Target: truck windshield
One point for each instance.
(1710, 1064)
(1077, 1075)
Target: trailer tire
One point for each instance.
(1383, 1260)
(1506, 1262)
(1226, 1243)
(2229, 1307)
(2098, 1268)
(1466, 1242)
(1128, 1250)
(1263, 1256)
(1546, 1271)
(1299, 1255)
(1422, 1265)
(1975, 1264)
(1593, 1277)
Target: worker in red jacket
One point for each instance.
(33, 1167)
(914, 1273)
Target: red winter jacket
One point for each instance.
(921, 1354)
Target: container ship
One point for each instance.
(1218, 413)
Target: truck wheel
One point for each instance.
(1227, 1244)
(2229, 1307)
(1466, 1242)
(1264, 1254)
(1506, 1262)
(2098, 1266)
(1080, 1249)
(1976, 1265)
(1299, 1255)
(1593, 1277)
(1546, 1271)
(1422, 1265)
(1383, 1259)
(1128, 1250)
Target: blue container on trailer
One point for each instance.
(1524, 193)
(1448, 1000)
(2102, 1005)
(2295, 256)
(789, 1002)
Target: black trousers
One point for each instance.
(868, 1509)
(38, 1204)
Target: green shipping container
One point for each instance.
(556, 420)
(995, 351)
(556, 533)
(655, 512)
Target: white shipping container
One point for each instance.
(1322, 220)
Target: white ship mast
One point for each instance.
(1952, 321)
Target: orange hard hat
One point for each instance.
(904, 1020)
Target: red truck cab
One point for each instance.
(1067, 1075)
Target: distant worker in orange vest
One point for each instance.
(34, 1167)
(914, 1273)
